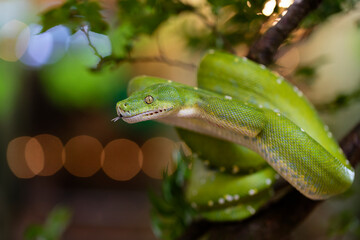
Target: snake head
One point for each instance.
(154, 102)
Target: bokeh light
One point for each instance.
(82, 156)
(52, 148)
(34, 156)
(122, 159)
(285, 3)
(46, 48)
(16, 157)
(269, 7)
(40, 47)
(158, 157)
(14, 40)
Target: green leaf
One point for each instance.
(75, 14)
(53, 228)
(146, 16)
(121, 39)
(326, 9)
(170, 213)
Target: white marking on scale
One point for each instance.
(221, 201)
(250, 209)
(236, 197)
(262, 66)
(228, 197)
(252, 192)
(228, 97)
(268, 181)
(186, 112)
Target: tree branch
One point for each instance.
(264, 49)
(162, 58)
(159, 59)
(273, 222)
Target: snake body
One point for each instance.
(240, 105)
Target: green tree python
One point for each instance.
(245, 125)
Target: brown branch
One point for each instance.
(159, 59)
(274, 222)
(264, 49)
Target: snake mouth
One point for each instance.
(148, 115)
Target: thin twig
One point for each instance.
(264, 49)
(84, 29)
(161, 58)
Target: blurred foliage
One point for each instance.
(341, 101)
(344, 223)
(54, 226)
(170, 213)
(235, 22)
(8, 89)
(326, 9)
(227, 24)
(73, 14)
(70, 83)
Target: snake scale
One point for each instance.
(245, 125)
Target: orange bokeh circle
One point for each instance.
(158, 157)
(82, 156)
(122, 159)
(16, 157)
(52, 148)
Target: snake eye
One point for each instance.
(149, 99)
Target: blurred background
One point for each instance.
(67, 170)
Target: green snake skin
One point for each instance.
(240, 114)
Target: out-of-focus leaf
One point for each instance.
(121, 39)
(326, 9)
(75, 14)
(236, 22)
(71, 84)
(9, 86)
(344, 223)
(53, 228)
(146, 16)
(170, 213)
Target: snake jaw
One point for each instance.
(128, 117)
